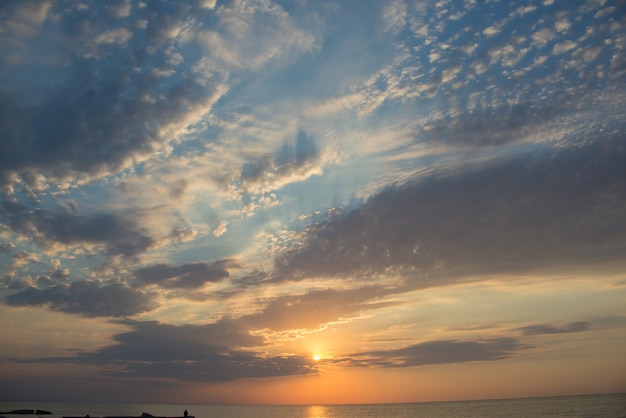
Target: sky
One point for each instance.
(307, 202)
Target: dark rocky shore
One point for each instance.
(43, 412)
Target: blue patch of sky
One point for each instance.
(94, 197)
(209, 248)
(241, 231)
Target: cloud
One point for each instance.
(119, 8)
(491, 30)
(541, 329)
(199, 353)
(548, 208)
(90, 131)
(440, 352)
(588, 54)
(287, 160)
(395, 16)
(186, 276)
(493, 126)
(117, 118)
(507, 55)
(562, 25)
(222, 366)
(221, 229)
(6, 248)
(562, 47)
(27, 16)
(542, 36)
(522, 10)
(115, 36)
(119, 234)
(290, 164)
(209, 4)
(251, 34)
(87, 298)
(23, 257)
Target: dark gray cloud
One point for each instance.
(547, 208)
(86, 298)
(117, 232)
(208, 353)
(541, 329)
(94, 117)
(493, 126)
(440, 352)
(223, 366)
(186, 276)
(154, 341)
(88, 132)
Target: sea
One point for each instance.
(611, 405)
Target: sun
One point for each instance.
(316, 357)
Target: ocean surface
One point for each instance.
(613, 405)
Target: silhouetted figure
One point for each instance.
(185, 413)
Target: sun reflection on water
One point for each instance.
(316, 411)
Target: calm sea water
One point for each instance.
(612, 406)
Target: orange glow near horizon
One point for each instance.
(530, 376)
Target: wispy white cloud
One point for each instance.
(250, 34)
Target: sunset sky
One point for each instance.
(311, 201)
